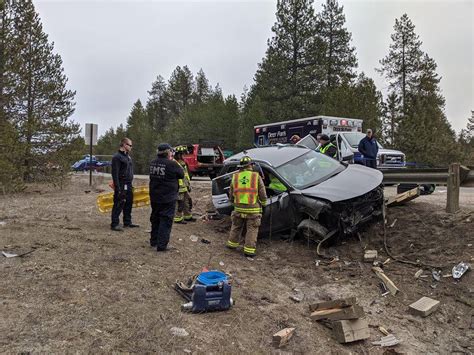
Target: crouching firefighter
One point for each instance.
(184, 203)
(247, 194)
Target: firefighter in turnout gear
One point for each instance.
(184, 203)
(327, 147)
(247, 194)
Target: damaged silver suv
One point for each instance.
(322, 196)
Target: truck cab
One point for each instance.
(347, 143)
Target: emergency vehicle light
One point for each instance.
(351, 123)
(257, 130)
(343, 122)
(333, 122)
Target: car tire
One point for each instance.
(311, 229)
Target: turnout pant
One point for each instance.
(161, 223)
(244, 228)
(184, 205)
(121, 204)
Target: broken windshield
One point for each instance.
(309, 169)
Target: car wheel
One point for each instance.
(311, 229)
(427, 189)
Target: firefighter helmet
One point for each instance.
(245, 160)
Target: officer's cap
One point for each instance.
(164, 147)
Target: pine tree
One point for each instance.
(203, 89)
(180, 90)
(339, 59)
(286, 79)
(157, 106)
(141, 134)
(39, 102)
(392, 115)
(402, 64)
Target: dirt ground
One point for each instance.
(88, 289)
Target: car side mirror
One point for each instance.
(348, 157)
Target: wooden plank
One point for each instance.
(283, 337)
(339, 303)
(346, 331)
(352, 312)
(424, 306)
(389, 283)
(404, 197)
(454, 182)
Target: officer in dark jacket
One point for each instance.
(369, 148)
(122, 175)
(164, 176)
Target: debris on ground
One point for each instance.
(205, 241)
(194, 238)
(179, 332)
(2, 223)
(418, 273)
(388, 283)
(436, 275)
(347, 331)
(460, 269)
(393, 223)
(403, 198)
(297, 295)
(370, 255)
(386, 341)
(9, 255)
(424, 306)
(282, 337)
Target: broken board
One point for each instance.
(283, 337)
(389, 283)
(346, 331)
(339, 303)
(351, 312)
(404, 197)
(424, 306)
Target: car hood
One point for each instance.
(390, 151)
(354, 181)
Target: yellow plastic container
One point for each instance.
(141, 198)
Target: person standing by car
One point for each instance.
(369, 149)
(164, 175)
(326, 147)
(184, 203)
(247, 194)
(122, 176)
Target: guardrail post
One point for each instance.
(452, 204)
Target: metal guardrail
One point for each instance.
(427, 176)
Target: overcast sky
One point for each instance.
(113, 50)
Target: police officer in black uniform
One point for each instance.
(164, 175)
(122, 175)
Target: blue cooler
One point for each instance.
(211, 292)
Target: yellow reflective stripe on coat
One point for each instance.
(248, 210)
(249, 250)
(232, 244)
(326, 147)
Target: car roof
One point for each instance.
(274, 156)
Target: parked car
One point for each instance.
(86, 164)
(204, 159)
(323, 195)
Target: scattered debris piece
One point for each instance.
(384, 289)
(194, 238)
(386, 261)
(221, 263)
(297, 297)
(179, 332)
(205, 241)
(424, 306)
(9, 255)
(2, 223)
(418, 273)
(316, 262)
(383, 330)
(460, 269)
(339, 303)
(393, 223)
(404, 197)
(283, 337)
(351, 312)
(389, 283)
(370, 255)
(73, 228)
(346, 331)
(386, 341)
(447, 275)
(436, 275)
